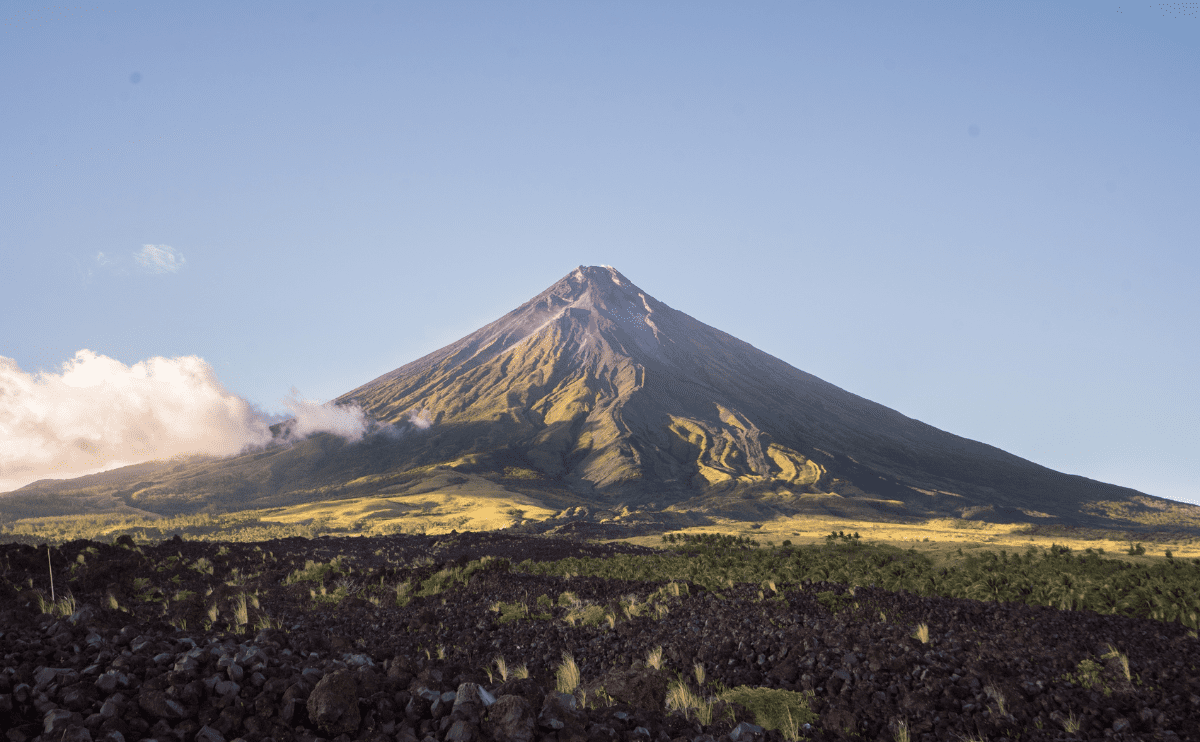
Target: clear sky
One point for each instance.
(981, 214)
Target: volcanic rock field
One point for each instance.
(189, 640)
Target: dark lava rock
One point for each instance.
(158, 705)
(333, 704)
(511, 719)
(300, 669)
(641, 688)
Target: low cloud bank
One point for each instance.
(98, 414)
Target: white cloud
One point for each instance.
(420, 420)
(347, 421)
(157, 258)
(99, 414)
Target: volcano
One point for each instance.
(596, 393)
(599, 386)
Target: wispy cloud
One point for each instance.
(157, 258)
(152, 259)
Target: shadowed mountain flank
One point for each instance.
(595, 393)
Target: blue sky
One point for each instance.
(983, 215)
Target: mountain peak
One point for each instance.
(600, 274)
(594, 286)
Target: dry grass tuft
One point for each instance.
(654, 658)
(1071, 723)
(681, 698)
(1122, 660)
(567, 675)
(996, 695)
(922, 633)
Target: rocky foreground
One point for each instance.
(204, 641)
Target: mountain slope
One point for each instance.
(596, 393)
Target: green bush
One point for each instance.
(782, 710)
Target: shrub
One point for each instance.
(591, 615)
(832, 601)
(782, 710)
(322, 597)
(568, 599)
(510, 612)
(317, 572)
(1088, 674)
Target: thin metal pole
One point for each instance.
(51, 566)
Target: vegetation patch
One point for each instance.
(834, 602)
(1163, 589)
(782, 710)
(318, 571)
(445, 579)
(588, 615)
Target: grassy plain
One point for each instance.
(468, 503)
(941, 538)
(449, 502)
